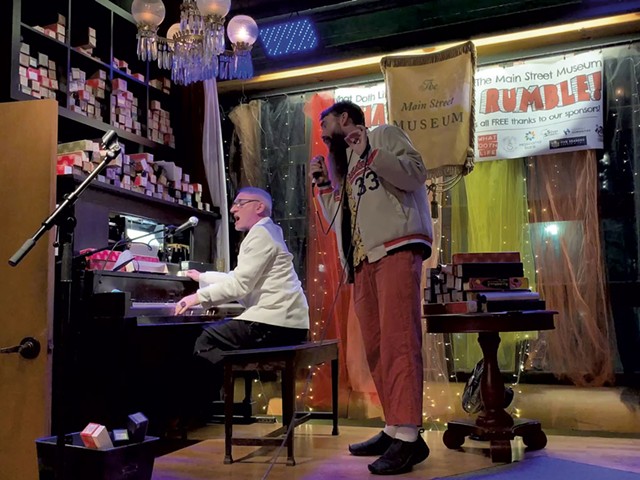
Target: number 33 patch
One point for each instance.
(368, 181)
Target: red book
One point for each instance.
(483, 283)
(450, 307)
(493, 257)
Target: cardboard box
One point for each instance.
(95, 435)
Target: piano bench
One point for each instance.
(288, 360)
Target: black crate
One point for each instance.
(128, 462)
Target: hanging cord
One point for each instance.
(342, 194)
(323, 334)
(449, 182)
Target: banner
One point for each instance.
(430, 97)
(536, 108)
(371, 98)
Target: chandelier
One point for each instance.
(194, 49)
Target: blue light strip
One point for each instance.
(290, 37)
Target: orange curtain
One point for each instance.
(565, 229)
(330, 303)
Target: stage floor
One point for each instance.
(320, 455)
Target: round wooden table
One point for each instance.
(494, 423)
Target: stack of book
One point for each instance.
(480, 282)
(125, 107)
(37, 73)
(86, 96)
(137, 172)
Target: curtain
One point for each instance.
(246, 120)
(439, 400)
(213, 159)
(563, 197)
(330, 301)
(489, 214)
(619, 184)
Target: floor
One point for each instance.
(320, 455)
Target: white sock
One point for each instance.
(391, 430)
(407, 433)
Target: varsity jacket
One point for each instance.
(388, 185)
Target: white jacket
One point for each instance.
(264, 281)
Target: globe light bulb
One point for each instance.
(242, 29)
(148, 12)
(214, 7)
(173, 29)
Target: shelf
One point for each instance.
(114, 38)
(43, 36)
(96, 125)
(127, 77)
(67, 182)
(99, 39)
(100, 63)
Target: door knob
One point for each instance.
(29, 348)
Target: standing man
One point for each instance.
(373, 191)
(264, 282)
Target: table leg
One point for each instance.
(494, 416)
(497, 422)
(228, 413)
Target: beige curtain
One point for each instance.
(246, 120)
(563, 195)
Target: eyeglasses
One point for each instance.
(242, 203)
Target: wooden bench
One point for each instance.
(288, 360)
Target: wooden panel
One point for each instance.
(28, 135)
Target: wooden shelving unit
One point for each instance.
(115, 39)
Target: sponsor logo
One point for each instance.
(600, 132)
(567, 142)
(487, 145)
(510, 143)
(530, 136)
(580, 130)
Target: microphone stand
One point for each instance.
(63, 217)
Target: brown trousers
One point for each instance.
(387, 303)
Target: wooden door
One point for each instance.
(28, 140)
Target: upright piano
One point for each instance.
(129, 349)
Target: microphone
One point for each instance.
(316, 175)
(110, 143)
(192, 222)
(109, 139)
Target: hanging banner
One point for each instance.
(371, 98)
(430, 97)
(536, 108)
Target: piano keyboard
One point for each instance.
(158, 309)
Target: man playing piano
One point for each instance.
(264, 282)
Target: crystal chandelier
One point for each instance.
(194, 48)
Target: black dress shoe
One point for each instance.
(400, 457)
(373, 447)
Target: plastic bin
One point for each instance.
(127, 462)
